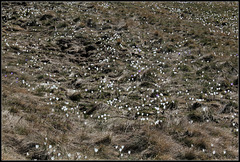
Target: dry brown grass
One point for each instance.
(165, 147)
(27, 116)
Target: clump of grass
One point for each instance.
(23, 105)
(81, 25)
(59, 125)
(159, 140)
(15, 47)
(40, 91)
(195, 116)
(189, 155)
(62, 25)
(118, 41)
(31, 118)
(13, 110)
(201, 143)
(168, 47)
(22, 130)
(76, 19)
(184, 68)
(40, 77)
(157, 33)
(163, 157)
(75, 97)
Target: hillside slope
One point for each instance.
(120, 80)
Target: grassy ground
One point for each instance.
(120, 80)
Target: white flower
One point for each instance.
(224, 152)
(59, 154)
(95, 149)
(129, 152)
(50, 146)
(37, 146)
(214, 152)
(52, 158)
